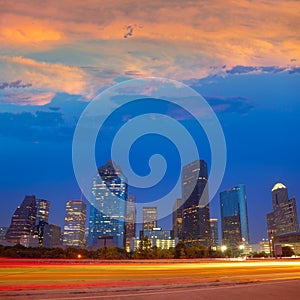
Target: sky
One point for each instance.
(243, 57)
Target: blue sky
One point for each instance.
(56, 60)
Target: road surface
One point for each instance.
(197, 279)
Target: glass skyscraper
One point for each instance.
(74, 224)
(108, 200)
(130, 217)
(42, 214)
(177, 218)
(196, 213)
(234, 216)
(214, 232)
(149, 217)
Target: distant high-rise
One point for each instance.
(177, 218)
(195, 223)
(284, 217)
(42, 214)
(23, 220)
(3, 231)
(149, 217)
(130, 216)
(214, 232)
(234, 216)
(74, 224)
(107, 212)
(51, 236)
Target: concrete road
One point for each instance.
(286, 290)
(170, 279)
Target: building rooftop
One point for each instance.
(278, 186)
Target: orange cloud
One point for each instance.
(25, 98)
(49, 76)
(172, 38)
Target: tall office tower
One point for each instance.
(107, 212)
(149, 217)
(42, 214)
(51, 236)
(177, 218)
(130, 216)
(74, 224)
(214, 232)
(284, 217)
(195, 223)
(234, 216)
(23, 220)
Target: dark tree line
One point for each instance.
(144, 251)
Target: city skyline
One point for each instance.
(242, 57)
(111, 174)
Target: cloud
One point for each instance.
(37, 98)
(238, 105)
(77, 48)
(15, 84)
(40, 126)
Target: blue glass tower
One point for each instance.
(107, 212)
(234, 215)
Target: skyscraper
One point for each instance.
(195, 223)
(42, 214)
(234, 216)
(74, 223)
(284, 217)
(130, 216)
(149, 217)
(177, 218)
(214, 232)
(107, 212)
(23, 220)
(51, 236)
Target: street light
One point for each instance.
(223, 248)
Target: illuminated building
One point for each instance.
(74, 224)
(234, 216)
(195, 223)
(23, 220)
(107, 212)
(149, 217)
(163, 239)
(214, 232)
(42, 211)
(177, 218)
(3, 231)
(284, 217)
(130, 216)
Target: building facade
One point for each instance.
(108, 201)
(52, 236)
(74, 225)
(214, 231)
(196, 213)
(177, 218)
(149, 217)
(158, 237)
(23, 220)
(42, 211)
(234, 217)
(284, 218)
(130, 220)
